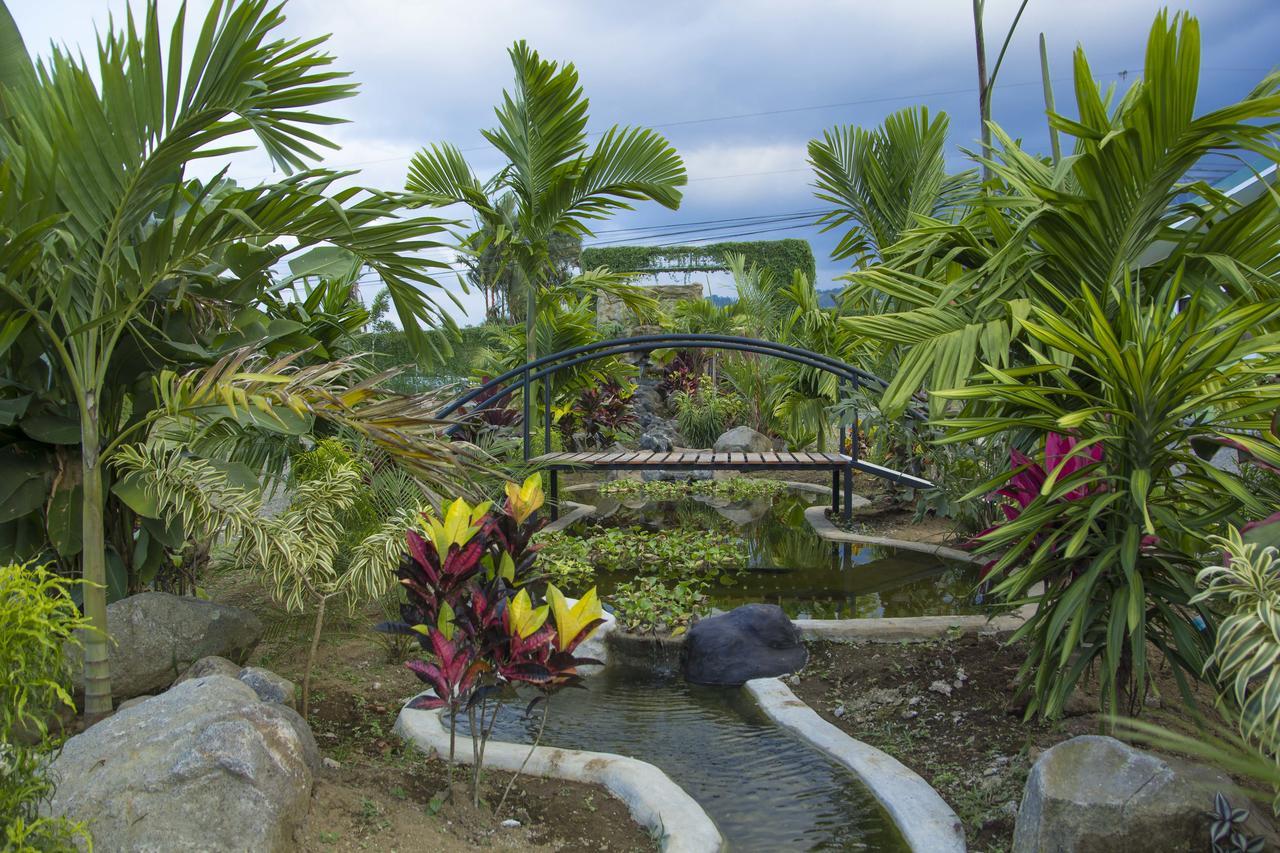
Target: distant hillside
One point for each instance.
(826, 298)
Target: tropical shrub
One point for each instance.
(706, 413)
(602, 413)
(154, 270)
(953, 288)
(471, 611)
(682, 373)
(38, 618)
(339, 538)
(1246, 656)
(1244, 664)
(956, 470)
(652, 606)
(1116, 528)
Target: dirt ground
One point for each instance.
(943, 709)
(377, 793)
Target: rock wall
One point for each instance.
(609, 309)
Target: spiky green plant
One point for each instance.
(1116, 542)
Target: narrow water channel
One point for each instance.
(766, 790)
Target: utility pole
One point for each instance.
(986, 84)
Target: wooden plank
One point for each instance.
(754, 458)
(705, 457)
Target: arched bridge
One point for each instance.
(540, 371)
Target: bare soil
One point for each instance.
(943, 708)
(385, 795)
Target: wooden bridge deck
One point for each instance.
(695, 459)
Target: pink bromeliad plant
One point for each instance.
(1064, 458)
(472, 613)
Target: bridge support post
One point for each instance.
(555, 494)
(848, 493)
(835, 489)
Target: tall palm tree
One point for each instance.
(879, 181)
(1120, 207)
(553, 181)
(102, 232)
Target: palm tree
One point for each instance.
(880, 181)
(102, 233)
(1120, 207)
(552, 183)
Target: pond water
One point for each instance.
(765, 790)
(788, 564)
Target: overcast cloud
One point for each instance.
(431, 71)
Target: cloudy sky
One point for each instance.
(739, 86)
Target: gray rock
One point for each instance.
(1093, 794)
(743, 440)
(673, 474)
(659, 442)
(751, 641)
(269, 686)
(205, 766)
(155, 637)
(212, 665)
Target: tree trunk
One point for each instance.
(311, 658)
(530, 315)
(984, 87)
(97, 667)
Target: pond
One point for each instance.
(765, 790)
(788, 564)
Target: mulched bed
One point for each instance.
(383, 794)
(942, 708)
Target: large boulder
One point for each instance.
(1093, 794)
(751, 641)
(204, 766)
(155, 637)
(743, 440)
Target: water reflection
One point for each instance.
(765, 790)
(790, 565)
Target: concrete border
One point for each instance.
(576, 513)
(926, 822)
(654, 801)
(817, 518)
(896, 629)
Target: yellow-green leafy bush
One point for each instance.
(37, 619)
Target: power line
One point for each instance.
(815, 212)
(764, 113)
(727, 224)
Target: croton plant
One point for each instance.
(471, 605)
